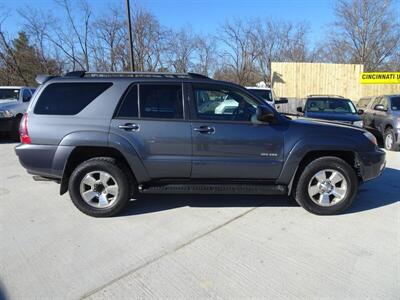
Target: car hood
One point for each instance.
(8, 104)
(324, 123)
(334, 116)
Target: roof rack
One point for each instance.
(43, 78)
(337, 96)
(81, 74)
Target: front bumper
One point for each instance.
(7, 124)
(372, 163)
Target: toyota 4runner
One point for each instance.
(109, 137)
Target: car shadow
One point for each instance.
(380, 192)
(3, 295)
(159, 202)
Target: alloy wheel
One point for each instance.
(327, 187)
(99, 189)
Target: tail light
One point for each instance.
(23, 130)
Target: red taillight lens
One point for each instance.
(23, 130)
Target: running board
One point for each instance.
(214, 189)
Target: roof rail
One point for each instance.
(338, 96)
(134, 74)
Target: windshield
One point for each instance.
(9, 94)
(266, 95)
(330, 105)
(395, 103)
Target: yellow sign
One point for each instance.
(380, 78)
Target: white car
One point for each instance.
(265, 93)
(14, 101)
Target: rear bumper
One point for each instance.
(372, 164)
(7, 124)
(43, 160)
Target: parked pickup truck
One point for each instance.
(332, 108)
(109, 137)
(14, 101)
(382, 117)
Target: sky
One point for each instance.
(204, 16)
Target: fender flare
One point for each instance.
(311, 144)
(96, 139)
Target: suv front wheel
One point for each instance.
(99, 187)
(327, 186)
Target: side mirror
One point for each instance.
(360, 111)
(264, 114)
(299, 109)
(379, 107)
(281, 101)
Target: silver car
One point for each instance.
(14, 101)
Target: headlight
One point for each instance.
(371, 137)
(6, 114)
(358, 123)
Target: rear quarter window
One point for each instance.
(68, 98)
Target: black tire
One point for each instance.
(14, 134)
(301, 194)
(389, 133)
(111, 166)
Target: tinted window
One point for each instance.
(68, 98)
(129, 107)
(26, 95)
(161, 101)
(330, 105)
(266, 95)
(9, 94)
(395, 103)
(223, 104)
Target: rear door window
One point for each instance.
(161, 101)
(129, 106)
(68, 98)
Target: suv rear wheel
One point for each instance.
(99, 187)
(327, 186)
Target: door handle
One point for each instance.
(205, 129)
(129, 127)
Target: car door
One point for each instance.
(228, 141)
(380, 116)
(369, 114)
(26, 98)
(151, 117)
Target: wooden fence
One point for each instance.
(297, 80)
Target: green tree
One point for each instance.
(21, 62)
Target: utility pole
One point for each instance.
(128, 12)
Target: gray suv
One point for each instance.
(107, 138)
(382, 117)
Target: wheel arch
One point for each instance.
(96, 144)
(350, 157)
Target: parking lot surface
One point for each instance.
(196, 246)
